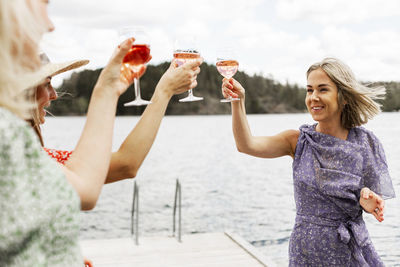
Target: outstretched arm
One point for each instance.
(278, 145)
(127, 160)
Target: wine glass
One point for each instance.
(134, 62)
(227, 66)
(185, 49)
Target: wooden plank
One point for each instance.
(209, 249)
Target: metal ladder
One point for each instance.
(135, 212)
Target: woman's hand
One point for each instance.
(372, 203)
(231, 87)
(114, 76)
(177, 80)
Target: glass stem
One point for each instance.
(190, 92)
(137, 88)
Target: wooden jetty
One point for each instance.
(196, 250)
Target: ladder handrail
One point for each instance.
(135, 207)
(178, 198)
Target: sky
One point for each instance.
(279, 39)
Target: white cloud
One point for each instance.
(280, 37)
(373, 56)
(337, 11)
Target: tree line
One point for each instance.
(263, 94)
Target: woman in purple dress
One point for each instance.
(339, 167)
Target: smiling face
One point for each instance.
(322, 97)
(45, 93)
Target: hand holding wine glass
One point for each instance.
(177, 80)
(185, 50)
(232, 88)
(134, 62)
(227, 66)
(110, 76)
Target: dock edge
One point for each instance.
(250, 249)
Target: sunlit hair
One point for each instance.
(21, 28)
(356, 100)
(35, 117)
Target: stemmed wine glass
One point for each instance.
(134, 62)
(185, 49)
(227, 66)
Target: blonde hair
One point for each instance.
(356, 100)
(34, 119)
(21, 28)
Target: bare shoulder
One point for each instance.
(291, 136)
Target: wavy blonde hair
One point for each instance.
(356, 100)
(21, 28)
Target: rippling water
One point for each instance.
(222, 189)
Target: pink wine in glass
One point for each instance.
(181, 56)
(137, 56)
(227, 68)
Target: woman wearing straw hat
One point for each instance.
(44, 92)
(40, 200)
(125, 162)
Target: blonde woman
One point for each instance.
(40, 199)
(339, 167)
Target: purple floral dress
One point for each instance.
(328, 175)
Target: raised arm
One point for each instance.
(275, 146)
(87, 168)
(127, 160)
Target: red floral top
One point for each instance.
(60, 155)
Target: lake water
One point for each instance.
(222, 189)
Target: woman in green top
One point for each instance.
(39, 198)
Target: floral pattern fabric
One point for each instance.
(328, 174)
(60, 155)
(39, 209)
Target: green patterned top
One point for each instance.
(39, 209)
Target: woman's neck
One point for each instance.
(333, 129)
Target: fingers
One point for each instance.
(193, 84)
(193, 64)
(365, 193)
(368, 194)
(193, 70)
(226, 93)
(141, 71)
(378, 215)
(380, 202)
(227, 88)
(227, 83)
(127, 75)
(381, 207)
(122, 49)
(173, 64)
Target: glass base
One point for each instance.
(137, 102)
(230, 99)
(191, 98)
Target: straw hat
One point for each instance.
(49, 69)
